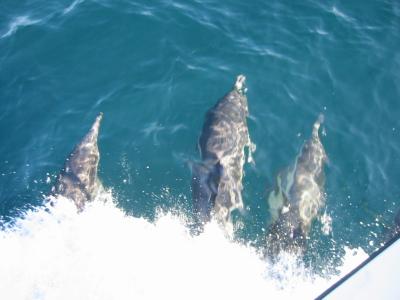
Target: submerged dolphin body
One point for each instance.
(78, 179)
(217, 179)
(297, 198)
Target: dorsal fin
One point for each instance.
(78, 179)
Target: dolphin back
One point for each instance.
(298, 197)
(217, 181)
(308, 187)
(205, 182)
(78, 179)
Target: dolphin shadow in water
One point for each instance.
(298, 198)
(217, 179)
(78, 179)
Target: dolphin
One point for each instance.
(298, 197)
(78, 179)
(217, 179)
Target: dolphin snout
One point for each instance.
(99, 118)
(96, 124)
(240, 81)
(317, 125)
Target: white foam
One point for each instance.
(102, 253)
(17, 22)
(72, 6)
(338, 13)
(320, 31)
(326, 221)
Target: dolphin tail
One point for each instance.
(205, 181)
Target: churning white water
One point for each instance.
(103, 253)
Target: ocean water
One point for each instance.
(153, 69)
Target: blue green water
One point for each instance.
(155, 68)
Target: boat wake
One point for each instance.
(53, 252)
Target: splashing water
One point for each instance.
(102, 253)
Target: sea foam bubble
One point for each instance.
(53, 252)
